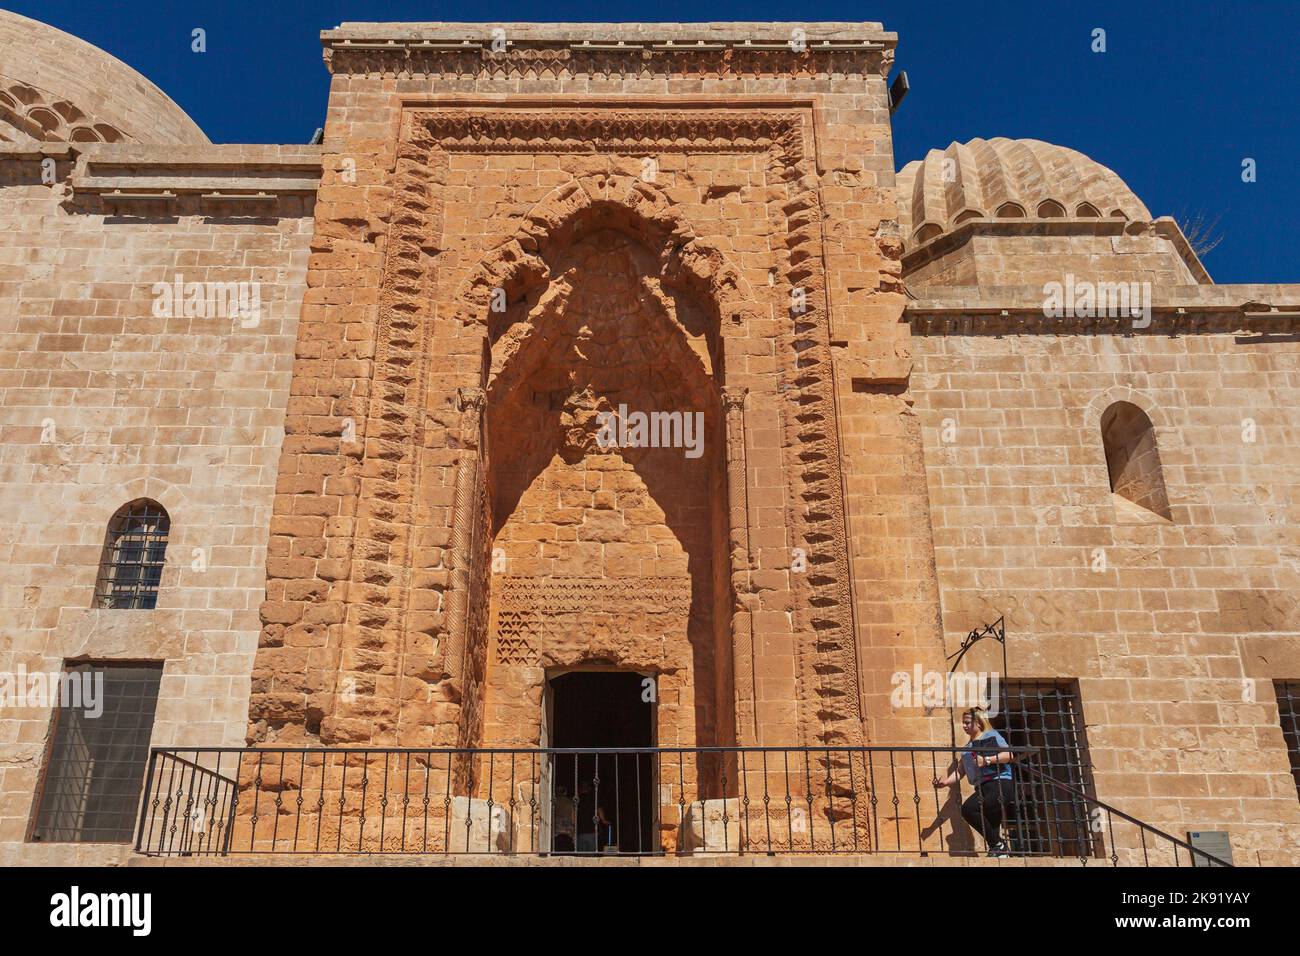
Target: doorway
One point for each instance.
(602, 803)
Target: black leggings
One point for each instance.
(984, 809)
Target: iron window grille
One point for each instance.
(90, 790)
(135, 549)
(1046, 820)
(1288, 710)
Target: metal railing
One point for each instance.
(1154, 847)
(630, 801)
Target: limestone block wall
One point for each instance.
(1173, 629)
(102, 401)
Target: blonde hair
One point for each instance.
(980, 716)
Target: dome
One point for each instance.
(1006, 178)
(57, 88)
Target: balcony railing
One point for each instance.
(631, 801)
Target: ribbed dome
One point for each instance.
(57, 88)
(1006, 178)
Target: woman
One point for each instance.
(987, 764)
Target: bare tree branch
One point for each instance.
(1202, 233)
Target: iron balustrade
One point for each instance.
(632, 801)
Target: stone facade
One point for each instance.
(495, 249)
(695, 222)
(1174, 628)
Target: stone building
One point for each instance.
(606, 386)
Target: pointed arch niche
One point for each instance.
(603, 554)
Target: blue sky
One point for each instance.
(1183, 94)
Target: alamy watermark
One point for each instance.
(1082, 299)
(925, 689)
(624, 429)
(74, 909)
(208, 300)
(78, 690)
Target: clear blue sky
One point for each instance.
(1183, 94)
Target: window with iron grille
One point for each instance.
(90, 791)
(1288, 710)
(1046, 715)
(134, 551)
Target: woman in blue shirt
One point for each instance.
(987, 765)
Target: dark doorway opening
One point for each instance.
(603, 802)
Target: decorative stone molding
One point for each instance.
(1019, 319)
(614, 131)
(226, 180)
(460, 60)
(828, 668)
(465, 513)
(429, 610)
(29, 114)
(733, 404)
(742, 617)
(852, 49)
(471, 402)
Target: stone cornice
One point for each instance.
(235, 172)
(36, 150)
(826, 35)
(1253, 297)
(721, 48)
(135, 180)
(970, 310)
(1165, 228)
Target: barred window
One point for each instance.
(1046, 820)
(134, 550)
(103, 722)
(1288, 710)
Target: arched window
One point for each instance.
(1011, 210)
(1133, 459)
(1050, 209)
(134, 550)
(1087, 210)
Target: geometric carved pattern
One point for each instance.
(822, 613)
(630, 131)
(533, 613)
(554, 597)
(518, 649)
